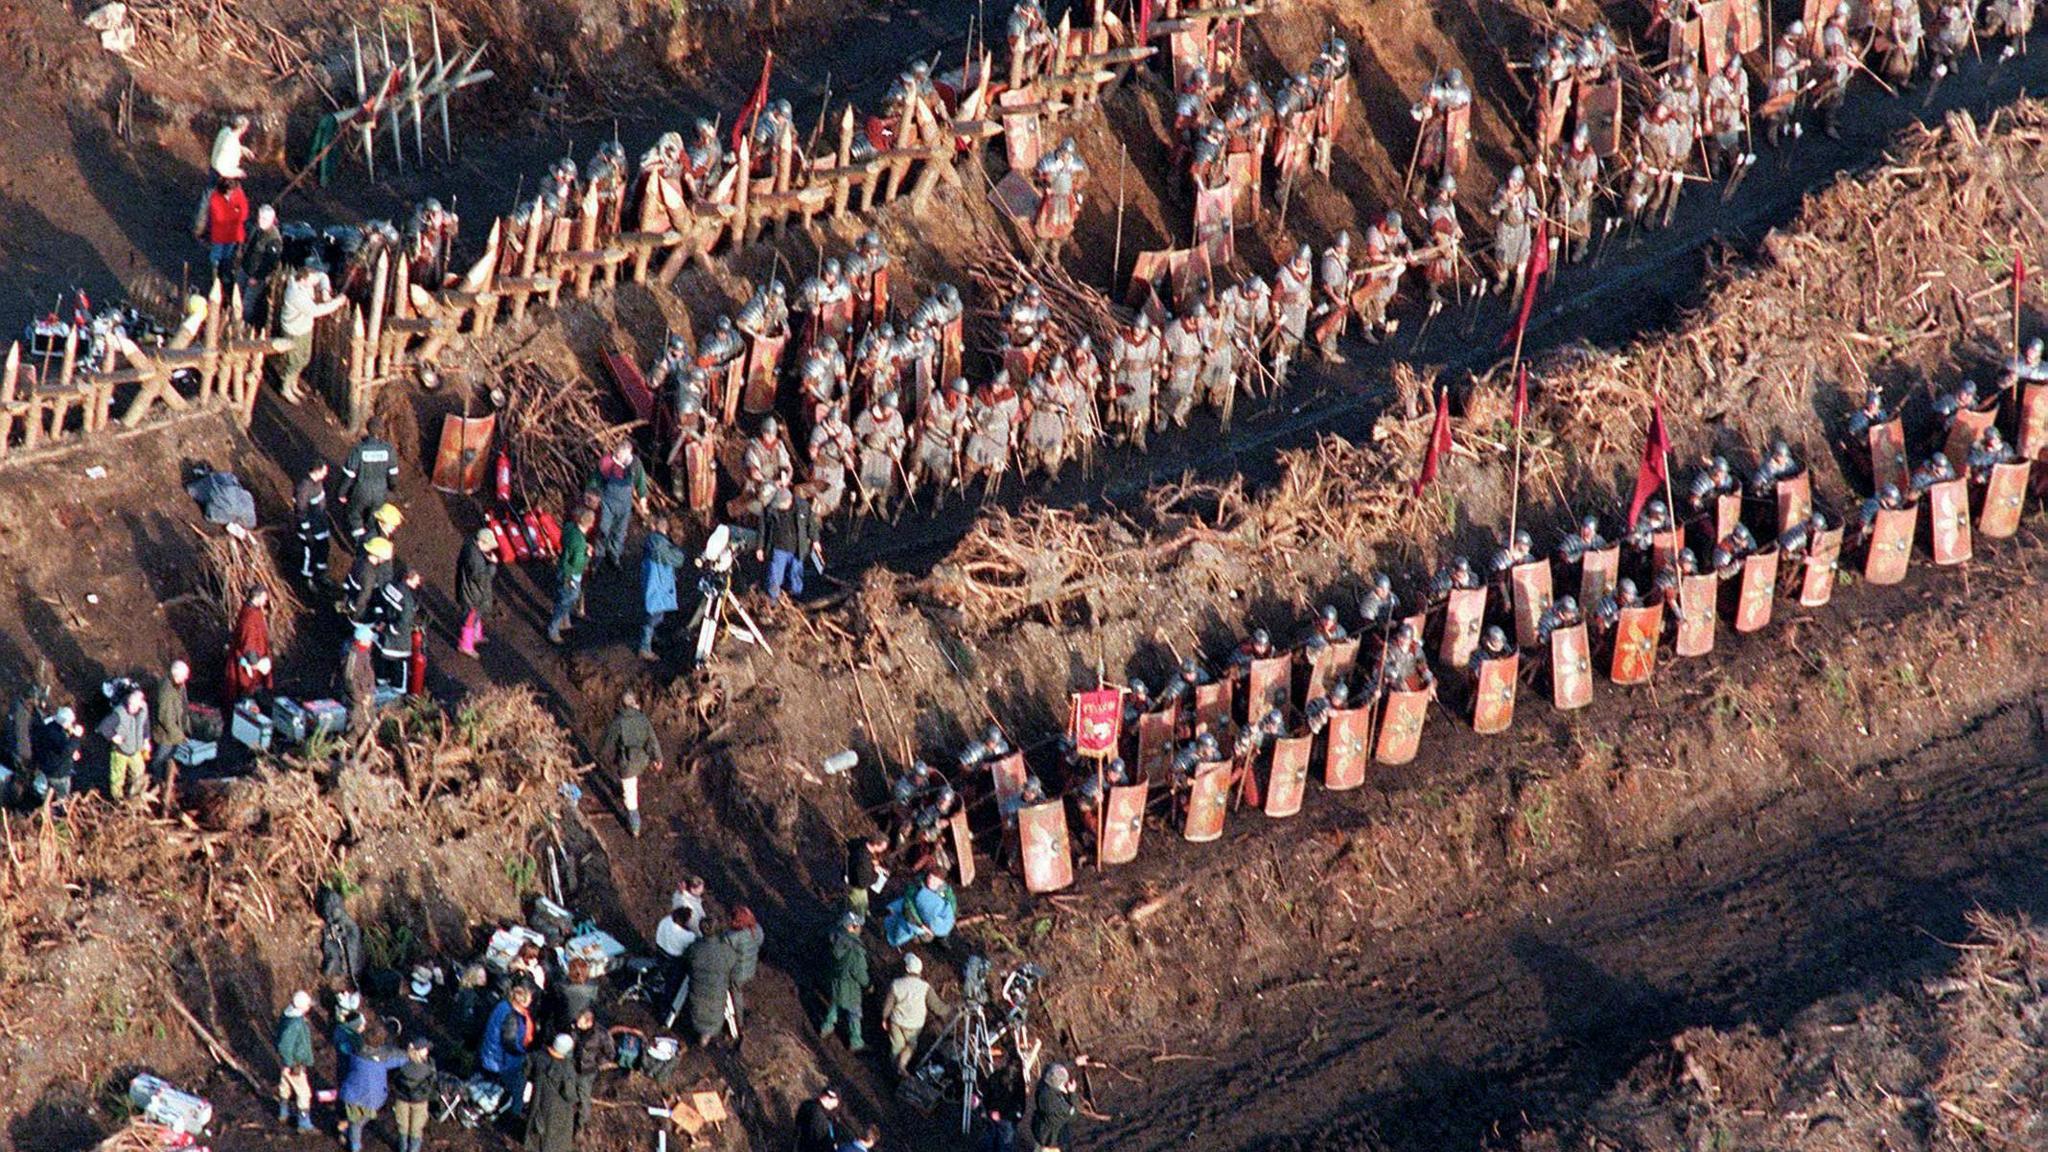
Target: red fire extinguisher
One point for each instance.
(501, 473)
(416, 666)
(505, 553)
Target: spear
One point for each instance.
(1116, 259)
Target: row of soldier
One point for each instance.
(1358, 691)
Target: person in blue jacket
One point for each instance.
(366, 1086)
(924, 914)
(508, 1037)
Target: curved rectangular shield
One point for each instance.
(1600, 112)
(1823, 558)
(1457, 139)
(1747, 20)
(1888, 464)
(1727, 513)
(1552, 104)
(2005, 494)
(1598, 570)
(1208, 801)
(963, 846)
(2034, 420)
(1267, 685)
(1493, 694)
(1008, 775)
(1287, 776)
(1715, 21)
(1891, 545)
(1155, 742)
(764, 367)
(1124, 822)
(1333, 666)
(1963, 431)
(700, 460)
(1401, 722)
(1464, 619)
(1530, 584)
(1571, 668)
(1948, 509)
(1214, 221)
(1635, 644)
(1042, 836)
(727, 384)
(464, 452)
(1212, 704)
(1664, 547)
(1696, 595)
(1795, 500)
(1759, 585)
(1348, 747)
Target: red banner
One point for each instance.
(1097, 721)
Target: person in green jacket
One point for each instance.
(631, 747)
(167, 720)
(569, 573)
(849, 981)
(295, 1062)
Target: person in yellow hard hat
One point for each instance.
(366, 580)
(388, 519)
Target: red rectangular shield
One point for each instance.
(1401, 726)
(1287, 779)
(1212, 704)
(464, 452)
(700, 459)
(1888, 454)
(1600, 112)
(1332, 666)
(1823, 556)
(1695, 615)
(2033, 420)
(1664, 547)
(1948, 508)
(1714, 21)
(1552, 103)
(1531, 585)
(1267, 683)
(1571, 668)
(764, 368)
(1635, 644)
(1727, 514)
(2004, 495)
(1098, 718)
(1215, 212)
(1008, 775)
(1597, 572)
(1022, 142)
(1759, 585)
(1457, 139)
(1349, 743)
(1048, 857)
(1124, 822)
(1464, 619)
(1891, 545)
(963, 846)
(1964, 430)
(1795, 500)
(1155, 742)
(1748, 20)
(1208, 800)
(1493, 694)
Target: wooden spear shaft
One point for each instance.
(1116, 259)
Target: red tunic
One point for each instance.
(249, 644)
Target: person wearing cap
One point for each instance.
(557, 1097)
(308, 298)
(359, 679)
(249, 648)
(412, 1093)
(659, 559)
(367, 1086)
(569, 571)
(126, 730)
(909, 1004)
(476, 579)
(262, 252)
(631, 747)
(56, 750)
(168, 716)
(294, 1040)
(362, 593)
(848, 981)
(817, 1123)
(388, 518)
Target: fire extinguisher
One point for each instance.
(531, 523)
(416, 666)
(551, 531)
(505, 552)
(501, 474)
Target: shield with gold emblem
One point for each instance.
(1123, 822)
(1635, 644)
(1212, 704)
(1332, 666)
(963, 845)
(1598, 569)
(1042, 836)
(1464, 619)
(1347, 748)
(2004, 495)
(1571, 668)
(1401, 726)
(1888, 463)
(1287, 775)
(1823, 557)
(1795, 500)
(1530, 583)
(1008, 775)
(1457, 139)
(1948, 510)
(1155, 742)
(2033, 420)
(1664, 548)
(1759, 585)
(1208, 800)
(1493, 693)
(764, 373)
(1891, 545)
(1965, 430)
(1696, 596)
(1266, 685)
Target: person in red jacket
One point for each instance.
(223, 225)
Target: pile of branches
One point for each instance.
(172, 32)
(1011, 565)
(1000, 275)
(556, 429)
(237, 561)
(498, 760)
(1995, 1062)
(1352, 497)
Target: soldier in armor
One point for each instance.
(1788, 83)
(1219, 369)
(1953, 404)
(1952, 36)
(1387, 252)
(1192, 114)
(1836, 65)
(676, 360)
(1293, 286)
(1294, 114)
(1887, 499)
(765, 465)
(1247, 125)
(1031, 45)
(1181, 689)
(992, 431)
(867, 269)
(1186, 343)
(2028, 367)
(879, 432)
(1729, 553)
(1709, 484)
(1905, 35)
(1607, 612)
(1316, 714)
(1519, 551)
(1060, 178)
(939, 312)
(1333, 297)
(1258, 646)
(1446, 235)
(1641, 539)
(695, 429)
(703, 162)
(832, 458)
(874, 362)
(430, 242)
(1025, 320)
(1779, 465)
(2012, 19)
(1493, 645)
(765, 315)
(1515, 207)
(821, 376)
(1727, 115)
(1587, 538)
(1794, 541)
(1936, 469)
(916, 355)
(660, 180)
(1135, 357)
(1682, 564)
(1871, 415)
(1047, 423)
(1665, 135)
(941, 434)
(1578, 178)
(1456, 576)
(560, 187)
(1088, 797)
(1552, 69)
(715, 355)
(1327, 74)
(1247, 311)
(1082, 381)
(776, 150)
(1402, 664)
(827, 299)
(1562, 613)
(1988, 452)
(1440, 155)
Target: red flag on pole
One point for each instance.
(1521, 412)
(1651, 473)
(744, 122)
(1539, 263)
(1439, 440)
